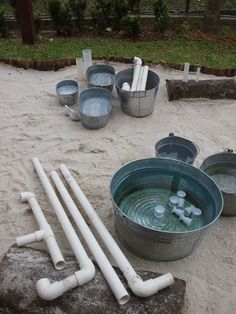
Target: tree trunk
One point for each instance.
(211, 89)
(187, 6)
(24, 12)
(211, 20)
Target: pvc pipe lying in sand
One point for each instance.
(110, 275)
(138, 286)
(137, 67)
(50, 291)
(144, 78)
(45, 233)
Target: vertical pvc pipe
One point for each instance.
(186, 72)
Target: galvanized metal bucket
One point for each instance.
(95, 107)
(220, 164)
(137, 104)
(176, 147)
(101, 75)
(67, 92)
(156, 244)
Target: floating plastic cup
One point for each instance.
(137, 103)
(176, 147)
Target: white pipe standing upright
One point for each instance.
(137, 67)
(186, 72)
(110, 275)
(139, 287)
(140, 79)
(46, 290)
(45, 233)
(144, 78)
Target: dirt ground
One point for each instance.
(33, 124)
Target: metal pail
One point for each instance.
(101, 75)
(95, 107)
(161, 174)
(176, 147)
(137, 104)
(67, 92)
(222, 168)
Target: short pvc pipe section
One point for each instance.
(110, 275)
(45, 233)
(138, 286)
(50, 291)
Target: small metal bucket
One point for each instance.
(148, 242)
(67, 92)
(137, 104)
(95, 107)
(223, 164)
(101, 75)
(176, 147)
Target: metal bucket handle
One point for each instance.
(228, 150)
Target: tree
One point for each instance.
(211, 20)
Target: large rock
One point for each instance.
(22, 267)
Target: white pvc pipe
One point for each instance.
(198, 74)
(186, 72)
(138, 286)
(110, 275)
(45, 233)
(46, 290)
(126, 86)
(140, 79)
(144, 78)
(137, 67)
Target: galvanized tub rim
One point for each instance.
(103, 67)
(97, 89)
(165, 231)
(61, 83)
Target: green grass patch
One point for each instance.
(217, 55)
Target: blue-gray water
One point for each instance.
(96, 106)
(67, 89)
(101, 79)
(139, 194)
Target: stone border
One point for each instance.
(55, 65)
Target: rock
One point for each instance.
(22, 267)
(108, 29)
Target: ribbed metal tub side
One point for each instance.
(229, 198)
(137, 104)
(70, 98)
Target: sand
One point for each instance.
(33, 124)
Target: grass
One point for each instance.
(217, 55)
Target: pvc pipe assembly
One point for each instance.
(137, 67)
(45, 233)
(138, 286)
(45, 289)
(110, 275)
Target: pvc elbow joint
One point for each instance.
(86, 274)
(49, 291)
(149, 287)
(137, 61)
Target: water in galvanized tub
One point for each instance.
(67, 89)
(174, 151)
(143, 191)
(101, 79)
(224, 175)
(95, 107)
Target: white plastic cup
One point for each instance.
(87, 58)
(80, 68)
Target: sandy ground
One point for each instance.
(33, 124)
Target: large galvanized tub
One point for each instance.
(138, 187)
(137, 104)
(222, 168)
(176, 147)
(67, 92)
